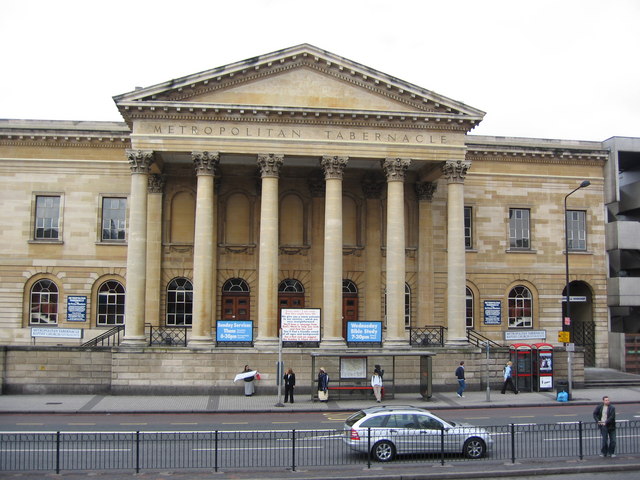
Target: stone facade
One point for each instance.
(298, 178)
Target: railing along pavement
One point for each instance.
(291, 449)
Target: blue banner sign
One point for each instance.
(492, 312)
(364, 332)
(76, 309)
(234, 331)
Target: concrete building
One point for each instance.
(298, 180)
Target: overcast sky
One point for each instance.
(565, 69)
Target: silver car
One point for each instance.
(395, 430)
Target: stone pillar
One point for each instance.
(154, 248)
(332, 279)
(395, 169)
(455, 172)
(372, 186)
(270, 165)
(140, 162)
(204, 250)
(424, 311)
(317, 189)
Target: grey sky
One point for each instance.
(542, 68)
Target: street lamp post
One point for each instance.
(567, 324)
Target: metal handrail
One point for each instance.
(105, 339)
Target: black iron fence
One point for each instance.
(293, 449)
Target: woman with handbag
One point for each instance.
(323, 386)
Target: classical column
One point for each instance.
(139, 162)
(395, 169)
(204, 250)
(372, 186)
(317, 189)
(269, 165)
(424, 311)
(455, 172)
(154, 248)
(332, 279)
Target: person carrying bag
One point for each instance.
(323, 386)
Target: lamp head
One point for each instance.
(585, 183)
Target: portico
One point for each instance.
(303, 166)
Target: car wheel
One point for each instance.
(474, 448)
(384, 451)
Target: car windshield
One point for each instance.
(354, 418)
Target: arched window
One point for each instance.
(469, 308)
(43, 306)
(179, 302)
(290, 295)
(110, 304)
(520, 307)
(349, 304)
(235, 300)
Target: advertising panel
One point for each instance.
(369, 332)
(234, 331)
(300, 324)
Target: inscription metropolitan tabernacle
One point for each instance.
(339, 135)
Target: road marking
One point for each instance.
(235, 423)
(25, 423)
(184, 423)
(134, 423)
(80, 423)
(566, 415)
(522, 416)
(280, 423)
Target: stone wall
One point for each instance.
(181, 371)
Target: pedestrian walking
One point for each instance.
(323, 385)
(461, 383)
(605, 416)
(508, 381)
(289, 383)
(376, 384)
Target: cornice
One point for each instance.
(66, 141)
(61, 133)
(540, 157)
(322, 117)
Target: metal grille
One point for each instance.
(584, 334)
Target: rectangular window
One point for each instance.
(577, 230)
(468, 241)
(114, 223)
(519, 233)
(47, 221)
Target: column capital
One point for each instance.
(140, 160)
(205, 163)
(269, 164)
(333, 166)
(455, 170)
(316, 184)
(372, 185)
(155, 183)
(426, 190)
(395, 168)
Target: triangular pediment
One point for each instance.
(300, 80)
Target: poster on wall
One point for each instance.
(353, 367)
(492, 312)
(76, 308)
(369, 332)
(545, 362)
(300, 324)
(234, 331)
(546, 382)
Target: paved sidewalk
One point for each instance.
(267, 403)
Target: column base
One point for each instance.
(200, 343)
(267, 343)
(457, 342)
(396, 343)
(333, 343)
(135, 341)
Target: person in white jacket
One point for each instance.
(376, 384)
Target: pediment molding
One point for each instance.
(179, 97)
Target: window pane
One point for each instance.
(519, 228)
(114, 212)
(469, 308)
(179, 302)
(47, 221)
(467, 228)
(520, 308)
(576, 230)
(111, 298)
(44, 303)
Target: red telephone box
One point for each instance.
(520, 356)
(543, 366)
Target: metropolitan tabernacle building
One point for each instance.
(296, 180)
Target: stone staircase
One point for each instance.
(609, 378)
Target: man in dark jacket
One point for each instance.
(605, 415)
(461, 382)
